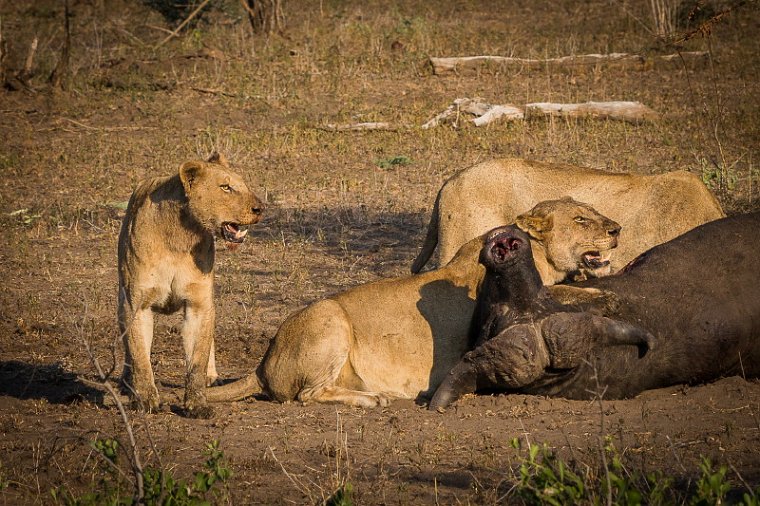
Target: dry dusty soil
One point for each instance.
(343, 208)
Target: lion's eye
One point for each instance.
(580, 219)
(225, 188)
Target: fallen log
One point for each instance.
(478, 112)
(632, 112)
(459, 64)
(380, 125)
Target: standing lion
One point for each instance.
(166, 263)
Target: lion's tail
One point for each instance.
(431, 239)
(244, 387)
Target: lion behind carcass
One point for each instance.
(651, 208)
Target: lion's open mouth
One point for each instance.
(594, 260)
(503, 246)
(234, 232)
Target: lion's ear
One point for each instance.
(534, 225)
(190, 172)
(217, 157)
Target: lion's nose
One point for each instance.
(614, 231)
(258, 208)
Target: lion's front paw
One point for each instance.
(196, 406)
(373, 400)
(201, 412)
(383, 400)
(149, 403)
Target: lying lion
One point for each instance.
(651, 209)
(166, 263)
(398, 338)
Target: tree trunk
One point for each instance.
(59, 76)
(265, 15)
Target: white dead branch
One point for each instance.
(484, 113)
(462, 63)
(463, 109)
(632, 112)
(359, 126)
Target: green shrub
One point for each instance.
(161, 487)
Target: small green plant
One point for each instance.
(341, 497)
(24, 216)
(717, 177)
(161, 487)
(197, 38)
(108, 448)
(632, 488)
(394, 161)
(750, 498)
(4, 482)
(8, 161)
(118, 204)
(546, 479)
(712, 486)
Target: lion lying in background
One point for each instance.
(652, 209)
(166, 263)
(398, 338)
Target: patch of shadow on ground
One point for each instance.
(346, 231)
(45, 381)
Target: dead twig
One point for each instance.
(27, 72)
(102, 129)
(297, 483)
(598, 395)
(479, 113)
(741, 479)
(182, 25)
(137, 468)
(631, 112)
(160, 28)
(705, 29)
(210, 91)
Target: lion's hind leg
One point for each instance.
(335, 394)
(308, 359)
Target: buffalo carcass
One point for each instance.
(686, 311)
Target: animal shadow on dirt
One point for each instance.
(344, 231)
(456, 479)
(438, 316)
(44, 381)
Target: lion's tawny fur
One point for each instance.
(652, 209)
(166, 263)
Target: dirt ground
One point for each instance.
(339, 214)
